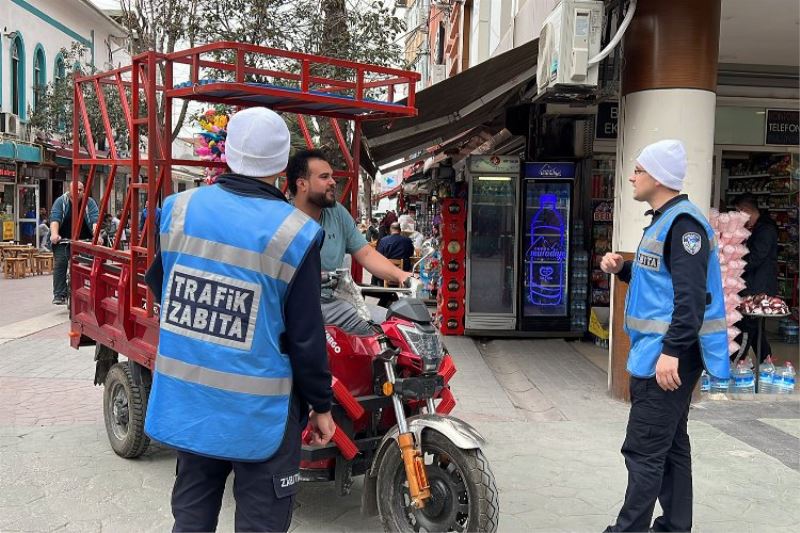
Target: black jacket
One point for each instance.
(689, 273)
(304, 338)
(761, 271)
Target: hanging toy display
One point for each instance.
(210, 144)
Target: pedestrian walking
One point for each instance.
(241, 353)
(675, 318)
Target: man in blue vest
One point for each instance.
(675, 318)
(241, 354)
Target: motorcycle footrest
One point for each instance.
(346, 446)
(447, 404)
(447, 369)
(348, 402)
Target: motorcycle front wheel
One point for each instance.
(463, 491)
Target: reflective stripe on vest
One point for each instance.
(269, 261)
(647, 326)
(661, 327)
(223, 380)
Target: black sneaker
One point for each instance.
(59, 301)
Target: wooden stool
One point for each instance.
(15, 267)
(44, 263)
(30, 264)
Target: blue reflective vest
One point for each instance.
(649, 304)
(222, 382)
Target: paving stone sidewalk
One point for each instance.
(553, 444)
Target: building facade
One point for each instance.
(34, 32)
(721, 75)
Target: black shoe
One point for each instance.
(58, 300)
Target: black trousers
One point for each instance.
(749, 325)
(658, 456)
(60, 264)
(264, 491)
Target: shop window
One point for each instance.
(18, 76)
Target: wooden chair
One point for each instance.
(15, 267)
(44, 263)
(399, 264)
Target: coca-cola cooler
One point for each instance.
(492, 228)
(544, 247)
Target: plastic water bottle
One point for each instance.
(718, 385)
(743, 379)
(705, 382)
(547, 255)
(785, 378)
(766, 377)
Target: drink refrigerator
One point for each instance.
(492, 228)
(544, 273)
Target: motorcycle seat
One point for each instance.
(345, 317)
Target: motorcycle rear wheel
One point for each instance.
(463, 491)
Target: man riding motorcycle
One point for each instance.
(311, 182)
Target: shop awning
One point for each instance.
(390, 192)
(454, 105)
(20, 151)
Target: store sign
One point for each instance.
(496, 164)
(603, 212)
(8, 174)
(550, 170)
(783, 127)
(8, 230)
(605, 126)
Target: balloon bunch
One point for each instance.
(211, 141)
(731, 234)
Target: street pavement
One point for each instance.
(553, 443)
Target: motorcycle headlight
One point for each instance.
(426, 345)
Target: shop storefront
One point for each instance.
(20, 202)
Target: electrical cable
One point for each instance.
(618, 36)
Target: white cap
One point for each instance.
(666, 162)
(257, 143)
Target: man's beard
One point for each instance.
(320, 199)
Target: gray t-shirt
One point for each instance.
(341, 237)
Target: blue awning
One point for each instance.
(27, 153)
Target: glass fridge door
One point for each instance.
(546, 248)
(492, 228)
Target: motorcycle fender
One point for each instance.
(459, 432)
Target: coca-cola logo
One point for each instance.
(453, 285)
(452, 305)
(453, 266)
(454, 209)
(452, 323)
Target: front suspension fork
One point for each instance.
(410, 450)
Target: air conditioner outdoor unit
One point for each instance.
(570, 36)
(9, 122)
